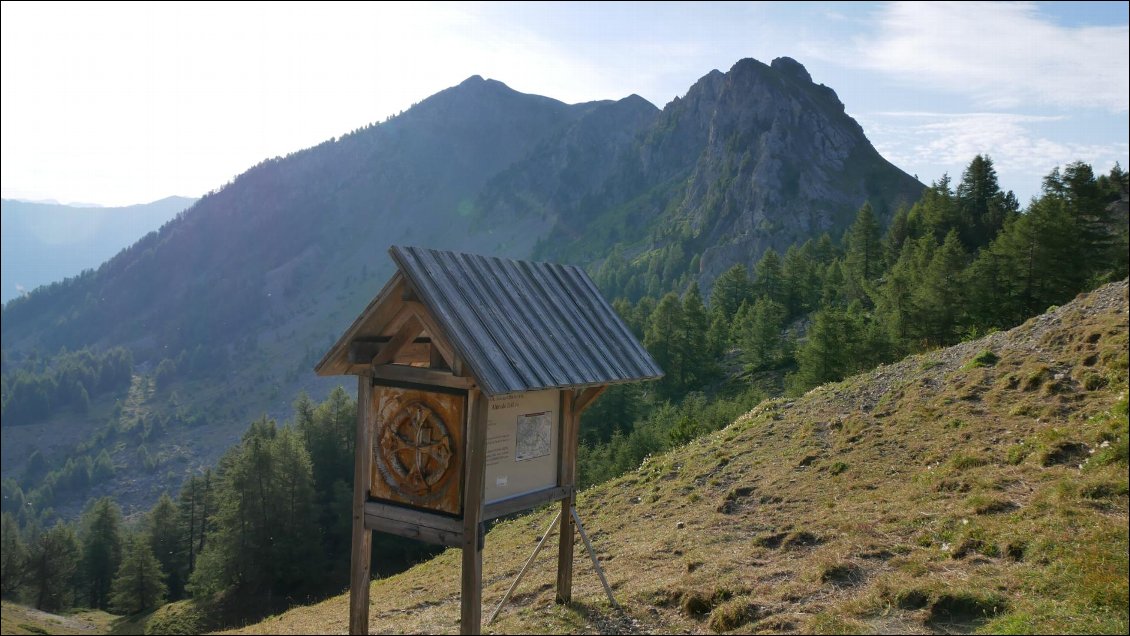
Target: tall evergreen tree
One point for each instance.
(693, 339)
(760, 333)
(896, 309)
(936, 213)
(800, 273)
(53, 557)
(13, 555)
(864, 259)
(982, 207)
(731, 289)
(897, 234)
(101, 527)
(167, 540)
(939, 297)
(1042, 257)
(663, 342)
(768, 278)
(195, 505)
(1088, 205)
(264, 538)
(823, 357)
(139, 582)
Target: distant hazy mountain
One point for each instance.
(46, 242)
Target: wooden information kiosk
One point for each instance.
(472, 375)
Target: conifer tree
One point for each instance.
(760, 333)
(982, 207)
(195, 508)
(864, 259)
(768, 279)
(1042, 258)
(13, 555)
(730, 290)
(936, 213)
(822, 357)
(101, 527)
(662, 341)
(939, 296)
(264, 539)
(139, 582)
(167, 540)
(696, 353)
(799, 271)
(896, 236)
(53, 557)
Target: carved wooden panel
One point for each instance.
(418, 448)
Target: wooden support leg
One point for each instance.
(566, 477)
(362, 536)
(471, 609)
(565, 553)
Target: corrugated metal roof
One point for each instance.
(524, 326)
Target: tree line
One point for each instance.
(266, 528)
(33, 388)
(961, 262)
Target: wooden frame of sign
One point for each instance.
(437, 453)
(507, 455)
(485, 487)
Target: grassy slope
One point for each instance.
(20, 619)
(943, 493)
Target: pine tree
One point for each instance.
(718, 335)
(297, 559)
(760, 334)
(265, 541)
(1088, 205)
(167, 539)
(982, 207)
(139, 582)
(801, 279)
(101, 526)
(895, 309)
(1043, 260)
(13, 555)
(730, 290)
(823, 357)
(696, 353)
(897, 234)
(768, 279)
(939, 297)
(195, 506)
(936, 213)
(864, 259)
(53, 557)
(662, 341)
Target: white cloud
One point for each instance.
(1001, 55)
(1021, 148)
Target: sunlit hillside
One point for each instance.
(979, 487)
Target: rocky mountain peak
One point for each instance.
(792, 68)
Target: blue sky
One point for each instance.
(125, 103)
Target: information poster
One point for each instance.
(522, 441)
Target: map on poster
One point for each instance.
(522, 441)
(533, 440)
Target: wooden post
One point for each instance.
(362, 536)
(471, 609)
(566, 477)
